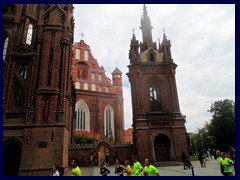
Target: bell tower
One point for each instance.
(159, 131)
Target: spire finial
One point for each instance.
(158, 41)
(82, 35)
(133, 30)
(144, 10)
(164, 35)
(116, 64)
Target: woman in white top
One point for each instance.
(55, 171)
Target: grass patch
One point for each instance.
(193, 158)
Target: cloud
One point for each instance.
(202, 38)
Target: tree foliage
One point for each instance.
(82, 139)
(222, 124)
(219, 132)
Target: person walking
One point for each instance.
(76, 171)
(149, 169)
(104, 171)
(201, 159)
(184, 160)
(119, 169)
(128, 168)
(137, 167)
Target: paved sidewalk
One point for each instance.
(211, 169)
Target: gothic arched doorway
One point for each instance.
(102, 153)
(162, 147)
(11, 157)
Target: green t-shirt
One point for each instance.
(150, 170)
(226, 165)
(136, 168)
(76, 171)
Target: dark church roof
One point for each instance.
(116, 71)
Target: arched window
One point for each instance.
(109, 122)
(81, 119)
(77, 85)
(152, 57)
(86, 55)
(93, 87)
(100, 77)
(5, 47)
(82, 116)
(23, 72)
(78, 54)
(100, 88)
(93, 76)
(85, 86)
(155, 102)
(29, 34)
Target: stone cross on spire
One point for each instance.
(82, 35)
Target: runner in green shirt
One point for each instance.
(150, 170)
(227, 164)
(137, 167)
(76, 171)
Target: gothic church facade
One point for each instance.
(54, 89)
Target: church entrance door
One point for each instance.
(162, 147)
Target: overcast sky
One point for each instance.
(203, 47)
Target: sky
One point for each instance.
(203, 46)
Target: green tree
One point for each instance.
(82, 139)
(222, 124)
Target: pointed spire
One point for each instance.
(146, 30)
(159, 46)
(164, 35)
(144, 11)
(133, 36)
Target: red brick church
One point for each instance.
(158, 125)
(54, 89)
(99, 106)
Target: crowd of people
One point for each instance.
(225, 161)
(125, 170)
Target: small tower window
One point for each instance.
(29, 34)
(23, 72)
(152, 57)
(155, 102)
